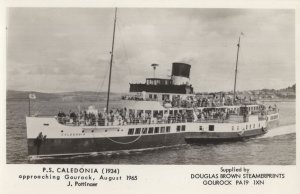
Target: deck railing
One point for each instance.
(153, 120)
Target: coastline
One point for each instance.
(280, 100)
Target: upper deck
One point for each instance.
(177, 84)
(152, 112)
(161, 86)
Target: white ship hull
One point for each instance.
(61, 139)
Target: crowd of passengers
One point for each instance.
(137, 98)
(207, 101)
(124, 117)
(196, 101)
(118, 116)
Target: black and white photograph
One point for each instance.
(159, 86)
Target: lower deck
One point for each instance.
(47, 137)
(91, 145)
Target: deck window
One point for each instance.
(160, 113)
(183, 128)
(258, 124)
(144, 131)
(150, 130)
(232, 128)
(165, 96)
(200, 128)
(130, 131)
(246, 126)
(178, 128)
(139, 113)
(162, 129)
(156, 130)
(253, 125)
(147, 113)
(137, 130)
(168, 129)
(211, 127)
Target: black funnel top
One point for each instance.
(181, 69)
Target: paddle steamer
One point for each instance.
(157, 113)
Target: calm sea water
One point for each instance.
(277, 147)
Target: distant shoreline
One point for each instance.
(279, 100)
(99, 96)
(116, 99)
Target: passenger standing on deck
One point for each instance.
(100, 119)
(126, 115)
(105, 117)
(143, 117)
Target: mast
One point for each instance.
(236, 65)
(111, 60)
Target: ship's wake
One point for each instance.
(282, 130)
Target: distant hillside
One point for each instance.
(81, 96)
(286, 93)
(289, 92)
(12, 94)
(289, 89)
(64, 96)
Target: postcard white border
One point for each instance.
(152, 178)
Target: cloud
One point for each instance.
(68, 48)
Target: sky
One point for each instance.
(68, 49)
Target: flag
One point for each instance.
(32, 96)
